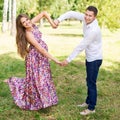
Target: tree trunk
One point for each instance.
(9, 21)
(13, 18)
(4, 21)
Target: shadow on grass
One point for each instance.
(10, 66)
(69, 82)
(112, 73)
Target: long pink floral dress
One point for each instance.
(36, 90)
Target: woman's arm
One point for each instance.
(44, 14)
(32, 40)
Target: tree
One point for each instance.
(9, 17)
(4, 21)
(59, 7)
(109, 14)
(108, 10)
(13, 18)
(28, 7)
(1, 10)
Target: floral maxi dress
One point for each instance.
(36, 90)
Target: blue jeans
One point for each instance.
(92, 69)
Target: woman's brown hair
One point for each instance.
(21, 41)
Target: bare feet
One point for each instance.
(5, 81)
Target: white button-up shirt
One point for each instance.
(92, 40)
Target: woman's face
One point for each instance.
(26, 22)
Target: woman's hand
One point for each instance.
(57, 62)
(46, 15)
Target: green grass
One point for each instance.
(69, 81)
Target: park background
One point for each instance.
(69, 81)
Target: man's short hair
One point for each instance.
(92, 8)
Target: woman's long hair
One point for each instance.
(21, 41)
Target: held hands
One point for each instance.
(56, 22)
(54, 26)
(63, 63)
(58, 62)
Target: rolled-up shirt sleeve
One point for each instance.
(82, 45)
(71, 14)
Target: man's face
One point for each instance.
(89, 16)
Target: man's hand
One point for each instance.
(64, 63)
(56, 22)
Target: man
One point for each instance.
(92, 44)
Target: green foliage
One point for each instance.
(108, 15)
(59, 7)
(45, 4)
(27, 7)
(108, 11)
(1, 10)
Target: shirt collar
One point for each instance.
(92, 23)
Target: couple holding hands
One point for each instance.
(37, 89)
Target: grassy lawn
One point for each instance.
(69, 81)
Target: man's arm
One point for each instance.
(71, 14)
(68, 15)
(82, 45)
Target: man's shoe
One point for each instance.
(83, 105)
(87, 112)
